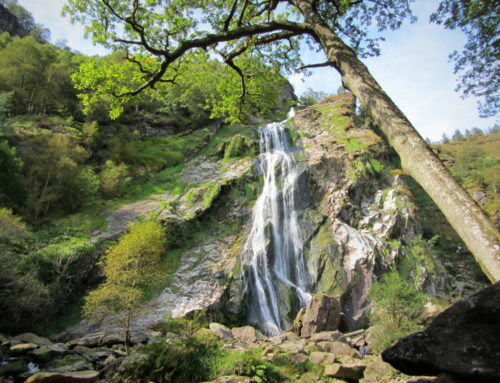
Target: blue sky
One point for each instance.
(413, 68)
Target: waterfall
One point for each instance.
(273, 253)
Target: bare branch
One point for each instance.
(227, 22)
(326, 63)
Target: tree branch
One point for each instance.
(326, 63)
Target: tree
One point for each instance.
(478, 63)
(457, 136)
(129, 267)
(12, 186)
(158, 39)
(398, 306)
(310, 97)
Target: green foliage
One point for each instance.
(39, 77)
(36, 278)
(238, 146)
(476, 165)
(113, 179)
(13, 190)
(397, 307)
(55, 176)
(203, 88)
(311, 97)
(129, 266)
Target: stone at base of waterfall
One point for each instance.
(247, 333)
(66, 377)
(321, 314)
(462, 341)
(220, 330)
(322, 357)
(22, 348)
(330, 336)
(29, 337)
(345, 371)
(339, 348)
(232, 379)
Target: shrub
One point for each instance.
(113, 179)
(397, 307)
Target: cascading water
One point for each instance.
(275, 272)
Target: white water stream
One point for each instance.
(274, 249)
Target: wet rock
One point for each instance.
(345, 371)
(29, 337)
(232, 379)
(22, 348)
(4, 341)
(247, 333)
(68, 363)
(463, 341)
(44, 355)
(322, 357)
(92, 355)
(321, 314)
(67, 377)
(221, 331)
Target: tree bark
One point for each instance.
(417, 158)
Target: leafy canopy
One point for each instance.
(129, 267)
(160, 39)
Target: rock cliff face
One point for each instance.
(357, 219)
(9, 23)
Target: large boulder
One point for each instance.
(64, 377)
(463, 341)
(321, 314)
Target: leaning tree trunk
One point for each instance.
(418, 160)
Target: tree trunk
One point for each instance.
(418, 160)
(127, 330)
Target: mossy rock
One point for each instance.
(238, 146)
(13, 368)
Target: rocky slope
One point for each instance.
(357, 215)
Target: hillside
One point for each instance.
(187, 234)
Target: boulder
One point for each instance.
(322, 357)
(232, 379)
(64, 377)
(92, 355)
(345, 371)
(321, 314)
(22, 348)
(327, 336)
(68, 363)
(221, 331)
(463, 341)
(338, 348)
(247, 333)
(29, 337)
